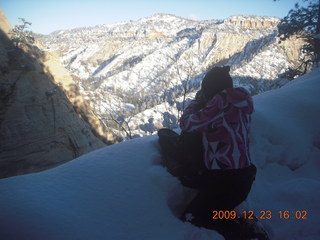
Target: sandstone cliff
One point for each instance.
(253, 22)
(61, 76)
(5, 25)
(39, 126)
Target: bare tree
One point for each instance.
(20, 35)
(122, 122)
(186, 70)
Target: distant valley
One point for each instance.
(138, 75)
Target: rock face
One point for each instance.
(39, 126)
(252, 22)
(110, 55)
(60, 75)
(5, 25)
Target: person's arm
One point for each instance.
(194, 119)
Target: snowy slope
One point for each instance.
(121, 192)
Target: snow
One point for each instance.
(268, 62)
(121, 192)
(285, 141)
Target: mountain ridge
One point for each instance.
(230, 19)
(151, 59)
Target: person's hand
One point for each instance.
(200, 98)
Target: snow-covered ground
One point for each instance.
(121, 192)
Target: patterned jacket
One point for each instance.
(225, 124)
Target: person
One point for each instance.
(220, 117)
(222, 114)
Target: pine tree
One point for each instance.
(304, 22)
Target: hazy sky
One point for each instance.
(50, 15)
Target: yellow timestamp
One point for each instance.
(263, 214)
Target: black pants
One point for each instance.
(220, 190)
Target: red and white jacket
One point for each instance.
(225, 124)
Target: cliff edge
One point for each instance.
(39, 126)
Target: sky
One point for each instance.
(47, 15)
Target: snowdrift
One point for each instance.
(121, 192)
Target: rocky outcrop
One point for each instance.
(61, 76)
(292, 47)
(39, 126)
(253, 22)
(153, 34)
(5, 25)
